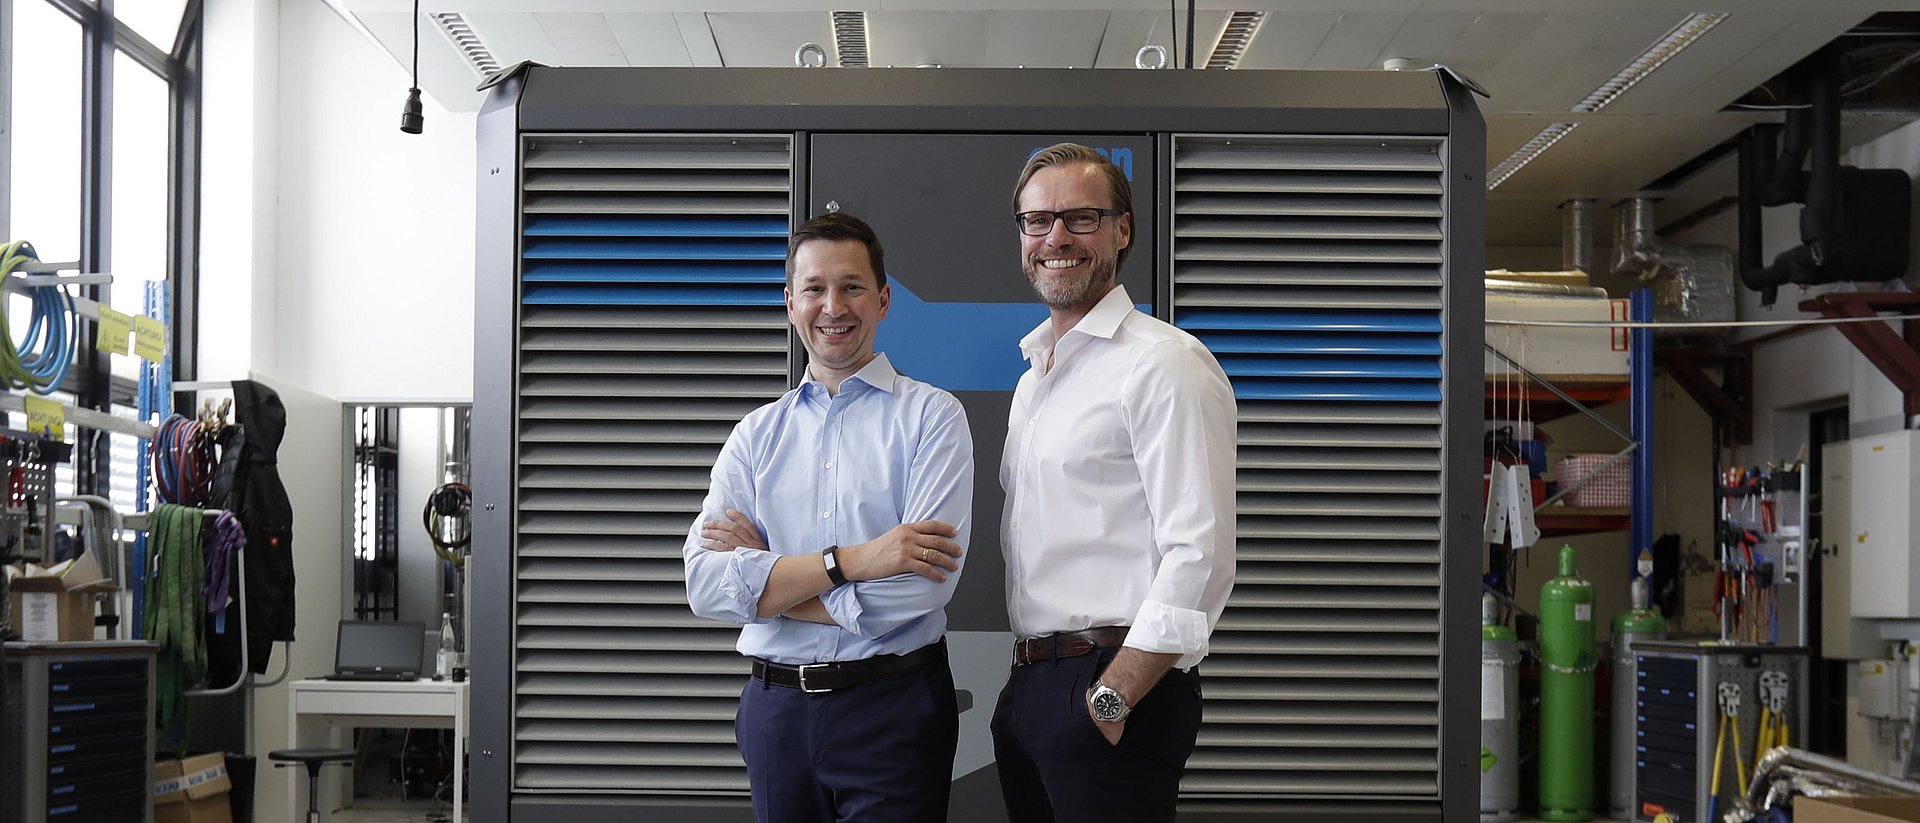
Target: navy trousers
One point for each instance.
(881, 751)
(1056, 766)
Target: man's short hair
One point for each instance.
(839, 225)
(1062, 154)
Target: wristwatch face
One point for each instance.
(1107, 705)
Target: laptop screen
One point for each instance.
(379, 646)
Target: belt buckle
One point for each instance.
(803, 678)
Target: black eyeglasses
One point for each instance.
(1079, 221)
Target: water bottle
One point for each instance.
(443, 659)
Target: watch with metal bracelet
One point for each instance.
(1108, 705)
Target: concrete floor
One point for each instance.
(376, 811)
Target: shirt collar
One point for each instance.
(1102, 321)
(877, 373)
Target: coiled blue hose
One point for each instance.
(41, 362)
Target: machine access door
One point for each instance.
(942, 206)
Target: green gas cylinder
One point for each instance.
(1566, 694)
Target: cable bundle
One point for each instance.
(41, 361)
(184, 462)
(448, 504)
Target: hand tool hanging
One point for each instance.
(1773, 731)
(1729, 699)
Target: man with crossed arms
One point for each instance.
(861, 479)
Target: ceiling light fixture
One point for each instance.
(1234, 39)
(469, 44)
(850, 38)
(1686, 34)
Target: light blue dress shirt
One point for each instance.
(812, 471)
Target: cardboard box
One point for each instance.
(192, 790)
(56, 603)
(1856, 810)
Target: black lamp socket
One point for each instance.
(411, 120)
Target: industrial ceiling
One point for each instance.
(1541, 61)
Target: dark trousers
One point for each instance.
(1054, 763)
(881, 751)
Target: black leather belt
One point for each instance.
(820, 678)
(1067, 644)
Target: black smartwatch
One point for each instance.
(834, 573)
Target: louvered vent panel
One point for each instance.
(1312, 268)
(650, 322)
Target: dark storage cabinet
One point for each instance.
(78, 723)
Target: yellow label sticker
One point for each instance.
(46, 417)
(149, 338)
(112, 330)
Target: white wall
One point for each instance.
(337, 260)
(373, 277)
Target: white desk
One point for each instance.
(317, 711)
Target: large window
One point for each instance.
(97, 102)
(44, 192)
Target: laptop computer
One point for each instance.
(378, 650)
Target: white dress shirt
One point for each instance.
(1119, 474)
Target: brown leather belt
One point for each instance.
(820, 678)
(1067, 644)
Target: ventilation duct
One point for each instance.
(1690, 282)
(1576, 235)
(1854, 226)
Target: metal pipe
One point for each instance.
(1576, 235)
(1809, 774)
(1635, 245)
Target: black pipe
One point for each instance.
(1190, 33)
(1823, 221)
(1757, 148)
(1785, 181)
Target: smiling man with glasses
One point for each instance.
(1119, 522)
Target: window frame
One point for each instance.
(178, 64)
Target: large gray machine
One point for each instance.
(1323, 232)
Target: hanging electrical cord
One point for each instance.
(411, 118)
(449, 503)
(41, 361)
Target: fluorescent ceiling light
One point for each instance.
(850, 38)
(468, 43)
(1241, 27)
(1686, 34)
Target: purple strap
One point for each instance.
(228, 538)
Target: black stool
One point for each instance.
(314, 759)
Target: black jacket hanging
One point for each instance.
(253, 492)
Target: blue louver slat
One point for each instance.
(689, 272)
(1381, 391)
(656, 227)
(1365, 368)
(1320, 344)
(717, 249)
(649, 296)
(1272, 321)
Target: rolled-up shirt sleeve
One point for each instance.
(726, 586)
(940, 487)
(1181, 413)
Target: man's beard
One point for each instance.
(1062, 294)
